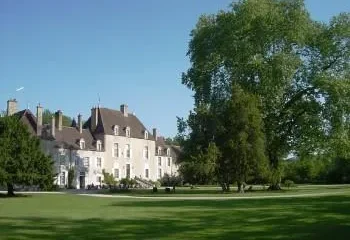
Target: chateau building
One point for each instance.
(113, 140)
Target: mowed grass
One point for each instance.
(215, 191)
(64, 216)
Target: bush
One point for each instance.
(157, 184)
(167, 189)
(155, 189)
(288, 183)
(171, 180)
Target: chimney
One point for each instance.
(80, 123)
(53, 126)
(124, 109)
(39, 119)
(58, 120)
(11, 107)
(94, 118)
(155, 133)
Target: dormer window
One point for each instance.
(146, 135)
(127, 132)
(116, 130)
(82, 144)
(168, 152)
(159, 151)
(99, 145)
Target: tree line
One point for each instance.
(268, 82)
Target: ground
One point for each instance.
(66, 216)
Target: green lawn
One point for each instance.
(216, 191)
(44, 216)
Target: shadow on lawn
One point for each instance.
(3, 195)
(315, 218)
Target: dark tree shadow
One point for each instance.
(4, 195)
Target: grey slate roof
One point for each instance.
(108, 118)
(27, 117)
(70, 136)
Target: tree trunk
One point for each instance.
(240, 187)
(225, 187)
(275, 187)
(10, 189)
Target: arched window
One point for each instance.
(116, 130)
(99, 145)
(168, 152)
(146, 135)
(127, 132)
(82, 144)
(159, 151)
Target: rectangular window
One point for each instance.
(159, 161)
(98, 179)
(115, 150)
(62, 160)
(159, 173)
(128, 171)
(127, 150)
(77, 161)
(146, 152)
(116, 173)
(146, 173)
(169, 162)
(98, 162)
(86, 161)
(63, 178)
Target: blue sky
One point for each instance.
(67, 53)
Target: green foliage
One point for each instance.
(71, 175)
(339, 171)
(288, 183)
(21, 158)
(172, 141)
(317, 170)
(171, 180)
(296, 67)
(108, 179)
(47, 116)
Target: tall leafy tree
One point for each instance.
(240, 138)
(298, 67)
(21, 158)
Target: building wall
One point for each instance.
(137, 160)
(92, 173)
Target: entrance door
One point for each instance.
(82, 180)
(127, 170)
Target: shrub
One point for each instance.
(167, 189)
(288, 183)
(157, 184)
(155, 189)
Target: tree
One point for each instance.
(108, 179)
(299, 69)
(21, 158)
(240, 138)
(47, 115)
